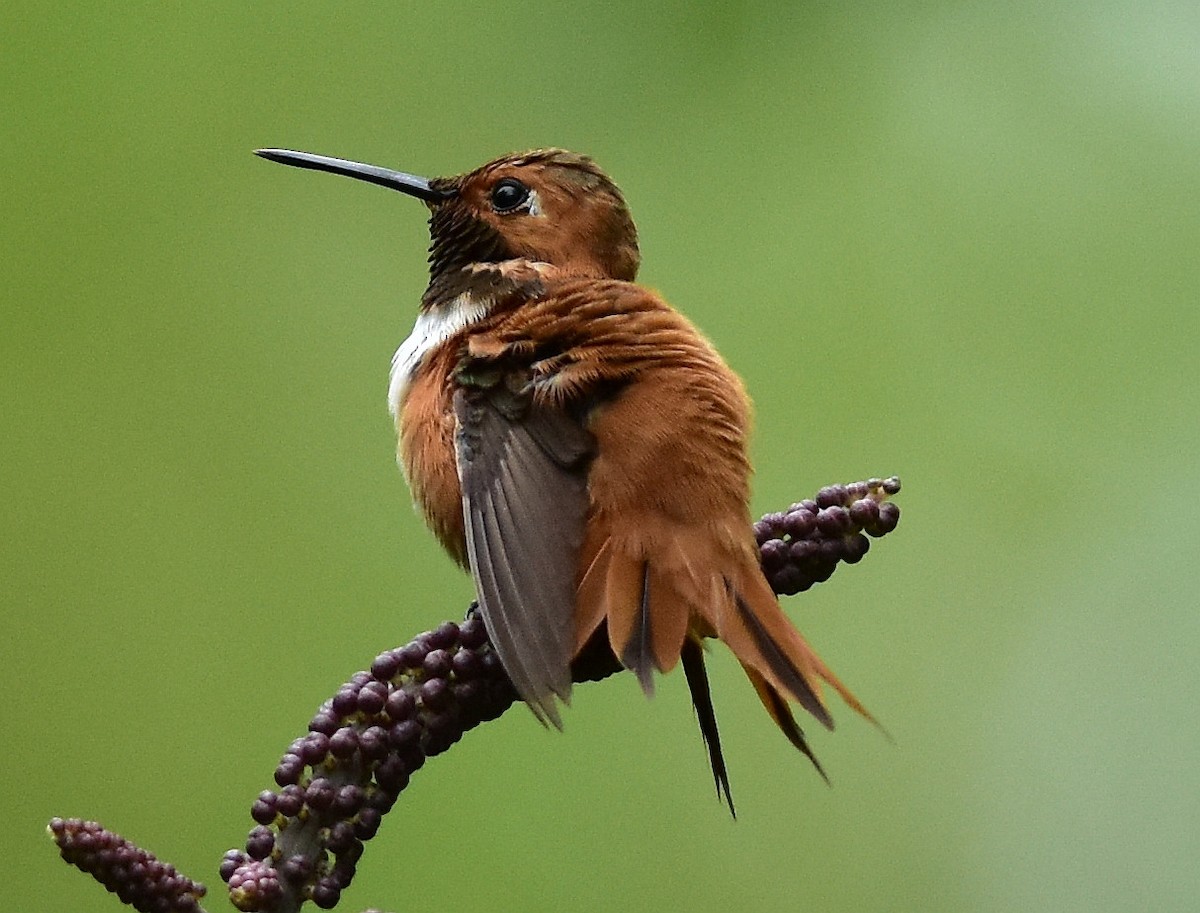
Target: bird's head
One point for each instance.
(546, 206)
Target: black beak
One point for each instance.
(372, 174)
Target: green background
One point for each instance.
(957, 242)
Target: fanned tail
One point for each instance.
(658, 603)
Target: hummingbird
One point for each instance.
(579, 446)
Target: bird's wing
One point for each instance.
(522, 466)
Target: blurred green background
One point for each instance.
(953, 241)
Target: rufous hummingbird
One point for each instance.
(578, 445)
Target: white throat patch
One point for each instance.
(433, 327)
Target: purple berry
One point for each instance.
(800, 523)
(260, 843)
(472, 634)
(320, 794)
(289, 769)
(290, 800)
(400, 705)
(443, 636)
(864, 512)
(343, 743)
(373, 743)
(466, 665)
(368, 823)
(372, 698)
(404, 734)
(385, 666)
(435, 693)
(437, 663)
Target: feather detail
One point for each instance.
(669, 609)
(779, 636)
(644, 589)
(624, 579)
(747, 635)
(591, 601)
(637, 654)
(522, 475)
(781, 713)
(697, 679)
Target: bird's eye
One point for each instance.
(508, 195)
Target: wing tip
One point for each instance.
(545, 708)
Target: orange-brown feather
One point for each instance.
(425, 449)
(763, 606)
(668, 527)
(777, 708)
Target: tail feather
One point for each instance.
(781, 713)
(670, 610)
(610, 590)
(644, 601)
(637, 653)
(697, 679)
(660, 591)
(776, 646)
(785, 667)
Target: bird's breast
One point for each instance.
(433, 327)
(425, 447)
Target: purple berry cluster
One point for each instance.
(135, 876)
(804, 544)
(337, 782)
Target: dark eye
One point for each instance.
(508, 194)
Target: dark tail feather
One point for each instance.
(638, 654)
(697, 679)
(781, 713)
(784, 667)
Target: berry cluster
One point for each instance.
(804, 544)
(135, 876)
(337, 782)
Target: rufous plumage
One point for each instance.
(579, 446)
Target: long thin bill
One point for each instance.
(373, 174)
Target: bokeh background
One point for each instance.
(953, 241)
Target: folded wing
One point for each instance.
(523, 468)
